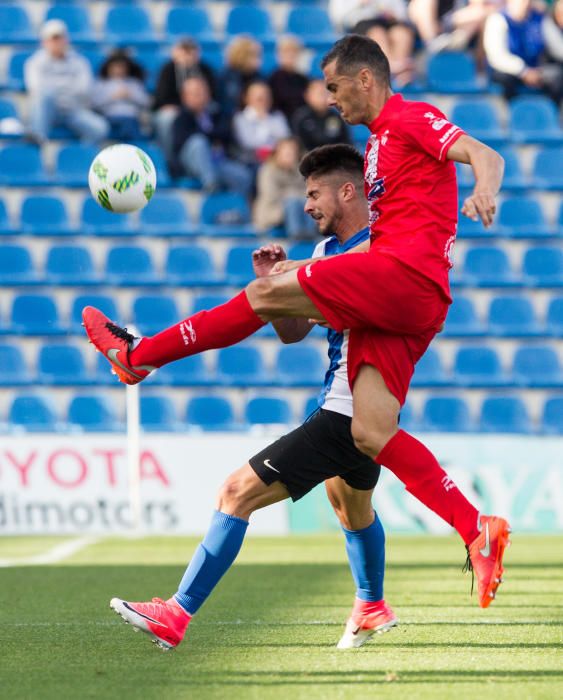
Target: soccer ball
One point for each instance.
(122, 178)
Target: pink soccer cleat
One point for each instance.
(484, 556)
(367, 619)
(114, 342)
(164, 620)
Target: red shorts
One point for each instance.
(393, 312)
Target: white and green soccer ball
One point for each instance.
(122, 178)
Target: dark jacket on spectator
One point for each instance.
(170, 80)
(186, 124)
(313, 129)
(233, 83)
(288, 88)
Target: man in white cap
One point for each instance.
(59, 82)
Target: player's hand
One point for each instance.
(480, 205)
(265, 258)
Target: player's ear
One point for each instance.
(348, 191)
(365, 76)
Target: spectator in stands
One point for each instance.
(524, 46)
(256, 127)
(316, 123)
(200, 142)
(120, 95)
(185, 62)
(396, 37)
(288, 82)
(450, 24)
(558, 14)
(59, 82)
(280, 193)
(244, 62)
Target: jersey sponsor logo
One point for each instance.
(372, 157)
(188, 332)
(377, 190)
(449, 249)
(437, 123)
(267, 464)
(385, 137)
(309, 270)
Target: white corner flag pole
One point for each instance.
(134, 455)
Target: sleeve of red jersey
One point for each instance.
(426, 128)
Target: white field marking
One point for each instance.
(54, 555)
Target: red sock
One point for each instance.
(219, 327)
(419, 470)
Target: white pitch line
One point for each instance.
(54, 555)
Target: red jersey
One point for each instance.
(411, 187)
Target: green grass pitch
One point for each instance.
(270, 629)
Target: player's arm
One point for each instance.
(287, 265)
(488, 169)
(289, 330)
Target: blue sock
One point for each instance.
(366, 554)
(211, 560)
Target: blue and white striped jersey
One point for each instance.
(336, 395)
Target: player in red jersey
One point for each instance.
(393, 298)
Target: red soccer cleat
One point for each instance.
(367, 619)
(164, 620)
(484, 556)
(114, 343)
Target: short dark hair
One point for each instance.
(354, 52)
(338, 158)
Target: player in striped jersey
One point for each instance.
(322, 449)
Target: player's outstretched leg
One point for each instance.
(365, 547)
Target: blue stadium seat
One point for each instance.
(267, 410)
(21, 165)
(191, 371)
(311, 24)
(35, 314)
(299, 365)
(103, 375)
(522, 217)
(238, 266)
(552, 418)
(15, 27)
(554, 318)
(130, 265)
(429, 370)
(16, 266)
(513, 316)
(33, 413)
(301, 251)
(226, 214)
(73, 164)
(250, 19)
(70, 265)
(152, 314)
(547, 172)
(537, 366)
(560, 219)
(408, 420)
(15, 69)
(163, 178)
(487, 266)
(77, 19)
(92, 413)
(100, 222)
(453, 72)
(128, 25)
(543, 266)
(6, 226)
(151, 61)
(7, 110)
(190, 266)
(533, 119)
(210, 413)
(478, 365)
(462, 319)
(241, 365)
(446, 414)
(45, 215)
(479, 118)
(61, 365)
(504, 414)
(13, 368)
(190, 21)
(311, 405)
(166, 216)
(204, 302)
(158, 414)
(106, 304)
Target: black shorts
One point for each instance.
(319, 449)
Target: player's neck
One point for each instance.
(351, 227)
(377, 104)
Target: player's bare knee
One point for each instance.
(368, 439)
(259, 294)
(234, 498)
